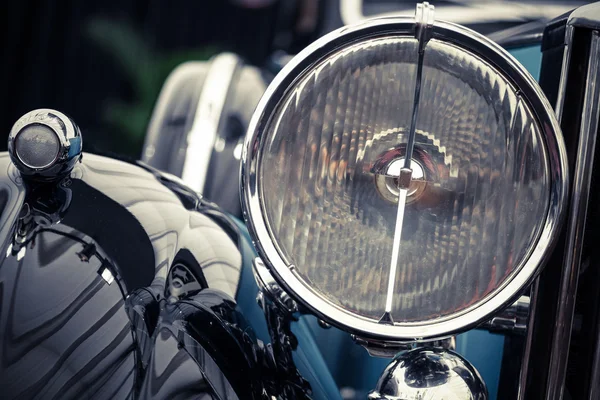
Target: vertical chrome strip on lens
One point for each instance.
(424, 18)
(576, 222)
(202, 135)
(387, 317)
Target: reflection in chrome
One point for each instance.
(107, 276)
(279, 310)
(267, 285)
(311, 199)
(237, 151)
(220, 263)
(429, 374)
(21, 253)
(511, 320)
(181, 283)
(390, 349)
(382, 348)
(388, 182)
(202, 136)
(63, 324)
(184, 371)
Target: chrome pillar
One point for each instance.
(576, 225)
(590, 124)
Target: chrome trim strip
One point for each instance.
(582, 176)
(562, 85)
(324, 309)
(511, 320)
(524, 372)
(203, 133)
(351, 12)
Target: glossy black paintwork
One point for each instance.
(173, 373)
(66, 332)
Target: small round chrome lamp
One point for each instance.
(44, 145)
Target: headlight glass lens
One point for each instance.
(477, 202)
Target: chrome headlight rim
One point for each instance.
(463, 320)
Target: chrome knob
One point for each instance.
(429, 374)
(44, 144)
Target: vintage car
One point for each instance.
(403, 210)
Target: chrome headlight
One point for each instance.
(321, 173)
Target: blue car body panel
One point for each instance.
(308, 357)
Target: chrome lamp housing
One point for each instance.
(404, 179)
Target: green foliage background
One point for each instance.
(145, 68)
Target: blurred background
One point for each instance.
(104, 62)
